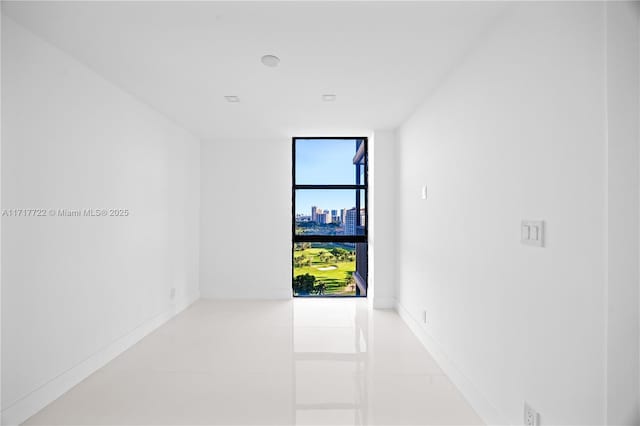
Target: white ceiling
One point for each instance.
(380, 59)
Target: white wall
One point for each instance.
(1, 132)
(78, 290)
(1, 377)
(245, 240)
(382, 219)
(518, 131)
(622, 213)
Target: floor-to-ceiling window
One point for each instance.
(329, 216)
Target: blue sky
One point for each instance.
(327, 161)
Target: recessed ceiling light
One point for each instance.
(270, 60)
(328, 98)
(232, 98)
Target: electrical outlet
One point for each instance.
(172, 293)
(531, 416)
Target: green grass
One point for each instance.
(335, 280)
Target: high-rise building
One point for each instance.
(351, 221)
(334, 216)
(314, 213)
(343, 216)
(323, 218)
(327, 214)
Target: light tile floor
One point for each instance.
(306, 361)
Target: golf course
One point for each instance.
(330, 264)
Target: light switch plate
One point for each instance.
(532, 233)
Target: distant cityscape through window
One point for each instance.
(329, 223)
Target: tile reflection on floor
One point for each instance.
(306, 361)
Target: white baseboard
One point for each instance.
(35, 401)
(249, 296)
(384, 302)
(487, 411)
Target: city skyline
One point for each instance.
(347, 220)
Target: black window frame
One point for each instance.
(358, 186)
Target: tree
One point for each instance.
(340, 253)
(320, 288)
(335, 252)
(303, 284)
(351, 283)
(301, 246)
(300, 260)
